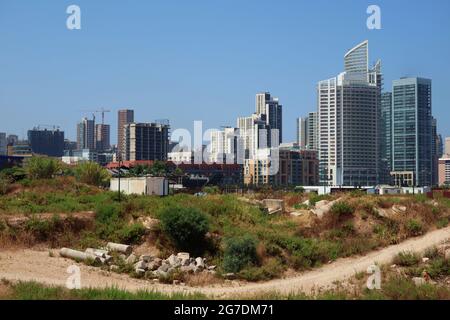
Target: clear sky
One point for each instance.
(204, 60)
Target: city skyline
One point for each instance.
(291, 74)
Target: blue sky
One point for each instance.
(203, 59)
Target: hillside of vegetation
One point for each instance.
(232, 232)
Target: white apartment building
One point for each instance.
(348, 113)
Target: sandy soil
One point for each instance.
(35, 265)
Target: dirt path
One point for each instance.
(31, 265)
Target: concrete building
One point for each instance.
(102, 137)
(254, 134)
(302, 132)
(146, 141)
(272, 109)
(348, 122)
(157, 186)
(412, 132)
(312, 135)
(124, 117)
(12, 139)
(3, 144)
(386, 138)
(46, 142)
(444, 171)
(447, 147)
(224, 146)
(294, 167)
(86, 134)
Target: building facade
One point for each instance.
(124, 117)
(302, 132)
(102, 137)
(146, 141)
(224, 146)
(46, 142)
(444, 171)
(294, 167)
(86, 134)
(3, 144)
(348, 122)
(412, 133)
(386, 138)
(272, 109)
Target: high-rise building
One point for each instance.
(444, 171)
(46, 142)
(434, 153)
(312, 136)
(302, 132)
(146, 141)
(412, 132)
(224, 146)
(12, 139)
(102, 137)
(254, 134)
(272, 109)
(440, 146)
(3, 144)
(386, 138)
(348, 122)
(124, 117)
(447, 147)
(86, 134)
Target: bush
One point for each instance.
(131, 233)
(414, 227)
(92, 173)
(342, 208)
(5, 183)
(239, 252)
(212, 190)
(42, 167)
(406, 259)
(187, 227)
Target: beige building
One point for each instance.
(124, 117)
(444, 170)
(294, 168)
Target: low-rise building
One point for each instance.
(158, 186)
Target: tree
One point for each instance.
(187, 227)
(42, 167)
(239, 253)
(158, 169)
(92, 173)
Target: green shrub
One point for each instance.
(314, 198)
(187, 227)
(5, 184)
(92, 173)
(300, 206)
(211, 189)
(239, 252)
(406, 259)
(271, 269)
(342, 208)
(42, 167)
(439, 268)
(414, 227)
(107, 213)
(131, 233)
(442, 223)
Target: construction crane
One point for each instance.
(102, 111)
(54, 127)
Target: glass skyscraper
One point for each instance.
(412, 138)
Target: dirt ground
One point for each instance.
(38, 265)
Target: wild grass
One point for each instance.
(36, 291)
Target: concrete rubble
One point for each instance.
(114, 257)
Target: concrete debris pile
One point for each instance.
(115, 254)
(273, 205)
(182, 262)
